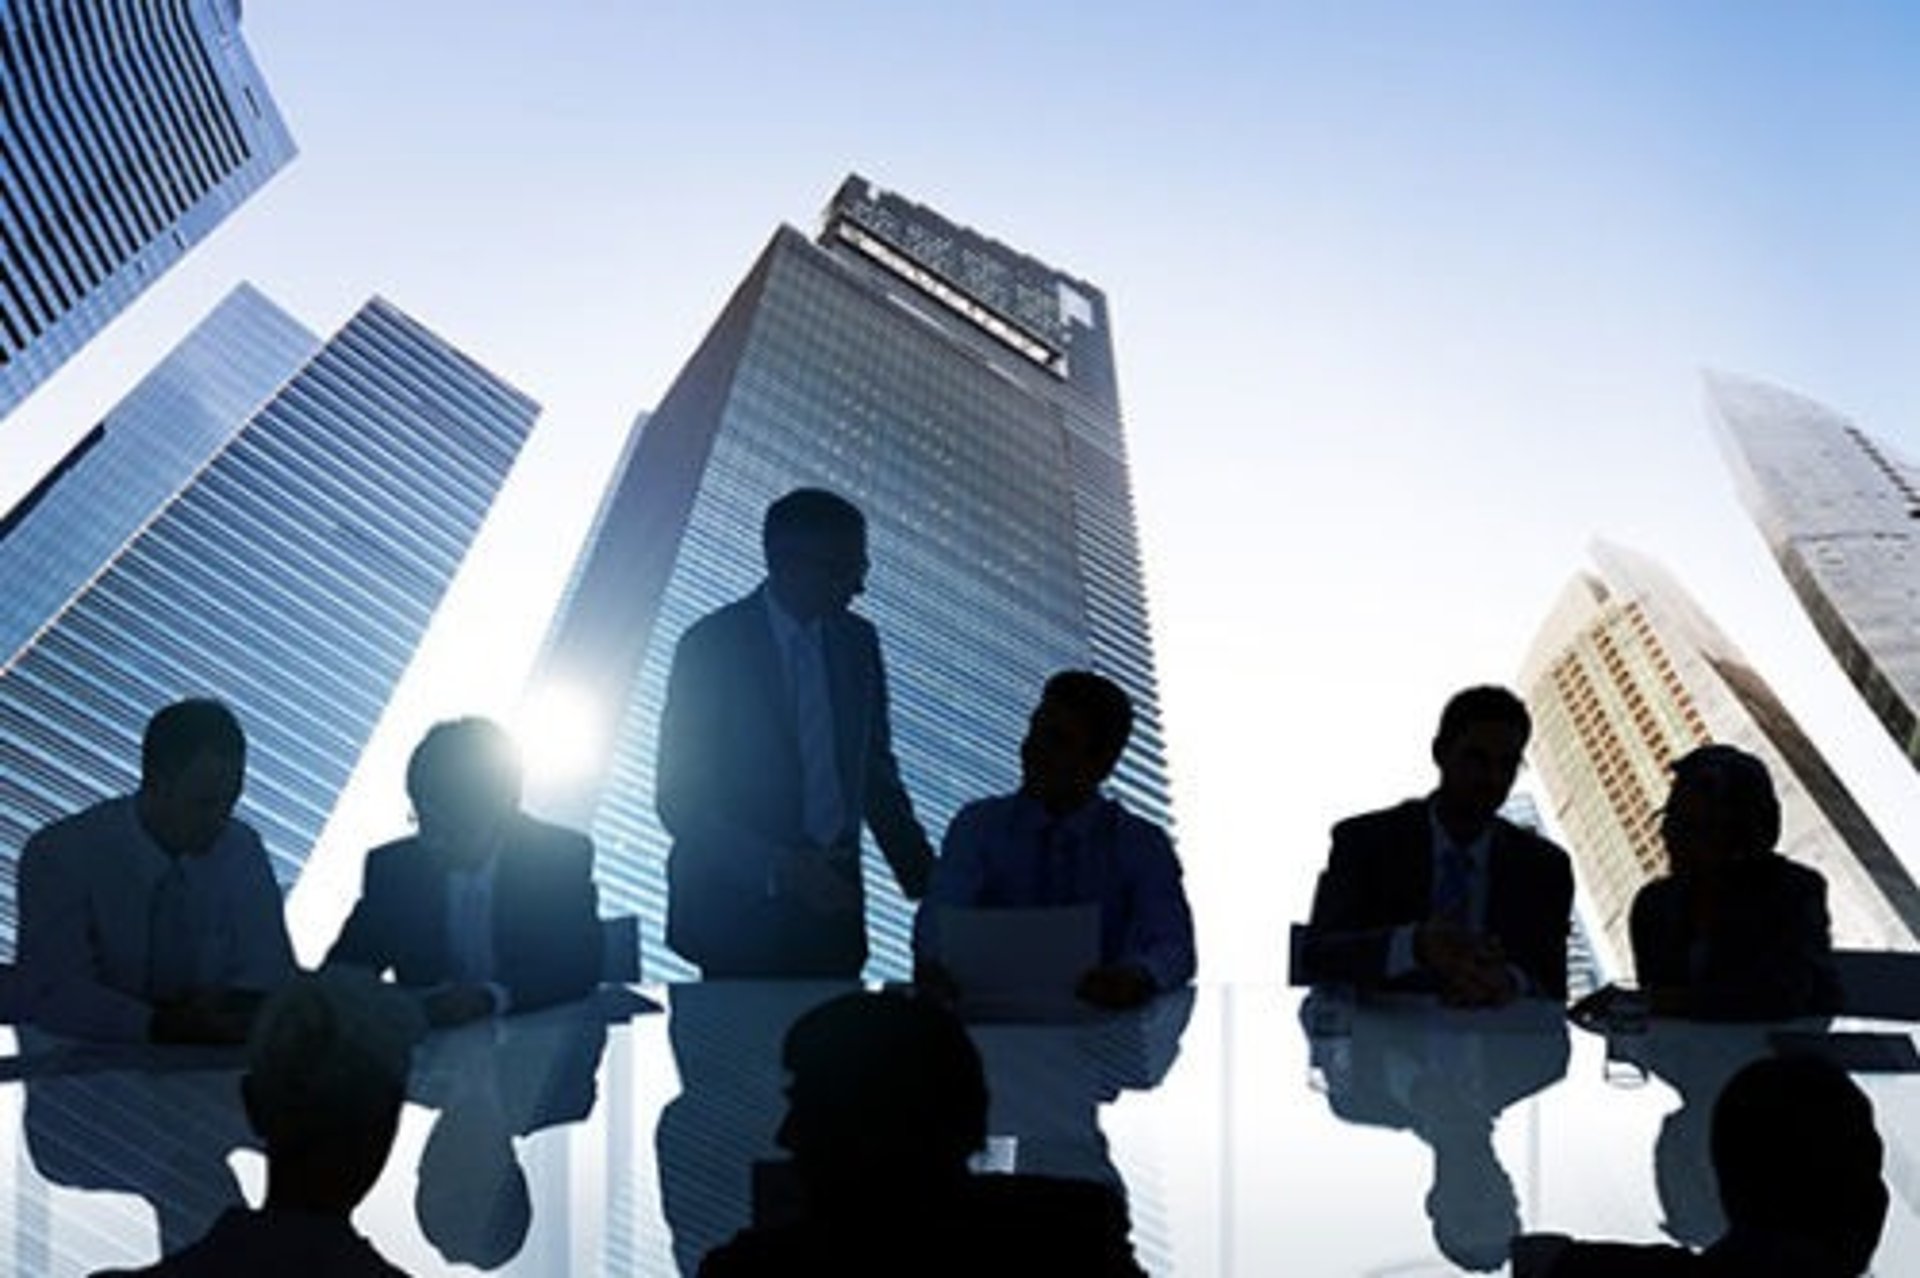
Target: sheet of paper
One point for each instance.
(1020, 964)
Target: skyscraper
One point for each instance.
(286, 561)
(1627, 674)
(1841, 513)
(128, 131)
(963, 394)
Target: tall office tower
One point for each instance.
(963, 394)
(286, 561)
(128, 131)
(1841, 512)
(1627, 674)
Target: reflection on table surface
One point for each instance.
(1254, 1130)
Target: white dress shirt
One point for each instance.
(86, 898)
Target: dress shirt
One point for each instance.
(1400, 959)
(803, 661)
(87, 887)
(470, 930)
(1008, 852)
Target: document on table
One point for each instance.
(1020, 964)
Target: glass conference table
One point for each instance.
(1394, 1139)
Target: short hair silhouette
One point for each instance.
(806, 512)
(458, 757)
(885, 1086)
(1741, 788)
(1795, 1151)
(327, 1066)
(180, 733)
(1104, 705)
(1482, 703)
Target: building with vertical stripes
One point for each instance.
(963, 394)
(286, 561)
(128, 131)
(1626, 675)
(1840, 510)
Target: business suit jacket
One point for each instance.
(1769, 953)
(1379, 876)
(546, 930)
(728, 787)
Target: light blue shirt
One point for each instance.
(1008, 852)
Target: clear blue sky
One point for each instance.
(1410, 302)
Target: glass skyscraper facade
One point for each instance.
(128, 131)
(1628, 674)
(963, 394)
(286, 560)
(1841, 513)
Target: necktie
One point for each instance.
(823, 814)
(1453, 893)
(170, 966)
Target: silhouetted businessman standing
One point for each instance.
(775, 748)
(1440, 893)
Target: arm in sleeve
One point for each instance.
(957, 879)
(57, 959)
(1343, 943)
(690, 762)
(1777, 962)
(1160, 923)
(889, 812)
(363, 937)
(263, 956)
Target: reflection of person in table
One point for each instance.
(1446, 1078)
(1797, 1162)
(1049, 1082)
(493, 1082)
(1735, 931)
(1058, 841)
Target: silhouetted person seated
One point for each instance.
(326, 1075)
(156, 916)
(887, 1103)
(1441, 894)
(485, 910)
(1798, 1164)
(1735, 931)
(1058, 841)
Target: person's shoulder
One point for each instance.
(549, 839)
(1381, 823)
(1532, 844)
(396, 856)
(1792, 876)
(90, 822)
(725, 621)
(1054, 1224)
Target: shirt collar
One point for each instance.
(1033, 815)
(1476, 849)
(786, 626)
